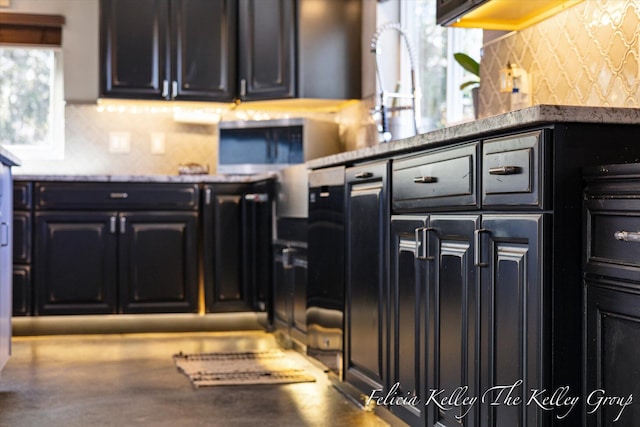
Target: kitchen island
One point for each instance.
(7, 160)
(463, 264)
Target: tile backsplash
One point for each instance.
(587, 55)
(87, 129)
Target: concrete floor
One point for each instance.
(131, 380)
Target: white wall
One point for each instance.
(80, 42)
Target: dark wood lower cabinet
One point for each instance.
(513, 348)
(408, 334)
(236, 246)
(85, 282)
(367, 283)
(453, 315)
(156, 253)
(290, 289)
(22, 288)
(110, 262)
(611, 352)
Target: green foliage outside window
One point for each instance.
(26, 77)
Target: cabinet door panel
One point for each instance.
(613, 333)
(512, 325)
(267, 62)
(366, 320)
(21, 290)
(158, 267)
(204, 49)
(134, 52)
(453, 299)
(75, 263)
(407, 335)
(229, 281)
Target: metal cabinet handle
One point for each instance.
(118, 195)
(478, 248)
(425, 179)
(286, 258)
(112, 225)
(363, 175)
(207, 196)
(123, 224)
(627, 236)
(4, 234)
(165, 88)
(257, 197)
(422, 239)
(174, 89)
(243, 87)
(504, 170)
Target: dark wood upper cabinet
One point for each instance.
(223, 50)
(267, 58)
(168, 49)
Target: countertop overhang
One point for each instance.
(8, 158)
(537, 114)
(195, 179)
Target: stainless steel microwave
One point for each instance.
(256, 146)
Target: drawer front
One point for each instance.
(22, 195)
(436, 180)
(511, 171)
(57, 195)
(613, 238)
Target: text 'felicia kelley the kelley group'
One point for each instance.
(559, 400)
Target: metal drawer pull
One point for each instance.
(627, 236)
(123, 225)
(477, 255)
(112, 225)
(362, 175)
(425, 179)
(504, 170)
(118, 195)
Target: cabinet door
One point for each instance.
(267, 53)
(453, 315)
(299, 284)
(611, 351)
(407, 336)
(448, 10)
(282, 292)
(21, 237)
(366, 317)
(158, 262)
(21, 290)
(75, 263)
(204, 49)
(229, 285)
(512, 323)
(134, 49)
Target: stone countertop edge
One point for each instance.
(8, 158)
(187, 179)
(529, 116)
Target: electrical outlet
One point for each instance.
(119, 142)
(157, 143)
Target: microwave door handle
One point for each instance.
(269, 146)
(276, 139)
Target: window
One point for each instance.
(31, 87)
(438, 74)
(31, 102)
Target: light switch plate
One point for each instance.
(157, 143)
(119, 142)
